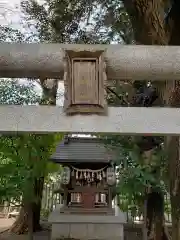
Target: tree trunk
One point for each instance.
(30, 221)
(155, 216)
(36, 206)
(145, 220)
(175, 217)
(147, 18)
(20, 226)
(173, 20)
(174, 176)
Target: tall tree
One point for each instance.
(12, 169)
(34, 151)
(37, 163)
(173, 99)
(139, 166)
(24, 154)
(156, 29)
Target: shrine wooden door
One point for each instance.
(88, 198)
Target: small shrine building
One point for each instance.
(86, 184)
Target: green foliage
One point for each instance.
(23, 158)
(114, 21)
(79, 21)
(135, 175)
(14, 92)
(136, 172)
(57, 21)
(8, 34)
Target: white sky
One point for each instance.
(10, 15)
(10, 12)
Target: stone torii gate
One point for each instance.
(85, 89)
(86, 70)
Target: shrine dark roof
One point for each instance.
(82, 149)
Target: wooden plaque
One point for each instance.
(85, 82)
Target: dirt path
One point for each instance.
(6, 223)
(44, 235)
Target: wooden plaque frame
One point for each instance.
(85, 82)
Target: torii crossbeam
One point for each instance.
(122, 63)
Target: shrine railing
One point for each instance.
(76, 199)
(132, 211)
(50, 201)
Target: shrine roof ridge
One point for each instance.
(82, 149)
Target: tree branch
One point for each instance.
(121, 98)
